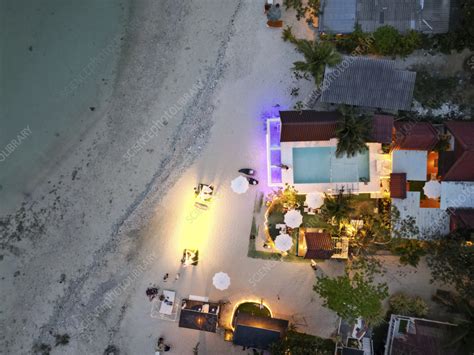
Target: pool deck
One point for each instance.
(375, 171)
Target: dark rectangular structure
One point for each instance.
(258, 332)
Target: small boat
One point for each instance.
(250, 172)
(252, 181)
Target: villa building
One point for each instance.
(410, 335)
(341, 16)
(427, 170)
(432, 183)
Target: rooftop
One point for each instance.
(418, 336)
(415, 135)
(367, 82)
(431, 222)
(457, 194)
(310, 125)
(199, 315)
(414, 163)
(459, 166)
(258, 332)
(398, 185)
(319, 245)
(339, 16)
(462, 218)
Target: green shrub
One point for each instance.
(409, 250)
(408, 43)
(386, 40)
(302, 344)
(405, 305)
(288, 36)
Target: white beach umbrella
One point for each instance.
(432, 189)
(314, 200)
(221, 281)
(283, 242)
(293, 218)
(240, 185)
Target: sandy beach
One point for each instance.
(193, 83)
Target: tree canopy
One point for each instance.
(353, 132)
(451, 260)
(317, 55)
(337, 208)
(352, 297)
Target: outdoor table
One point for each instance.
(167, 304)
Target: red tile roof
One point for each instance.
(320, 246)
(463, 131)
(398, 185)
(308, 125)
(382, 129)
(462, 218)
(463, 167)
(415, 136)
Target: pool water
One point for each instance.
(320, 165)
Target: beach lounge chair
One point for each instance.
(167, 304)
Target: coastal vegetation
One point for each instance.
(353, 296)
(386, 40)
(337, 208)
(316, 56)
(451, 260)
(409, 250)
(405, 305)
(296, 343)
(353, 132)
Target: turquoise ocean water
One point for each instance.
(58, 60)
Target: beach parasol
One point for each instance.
(221, 281)
(240, 185)
(432, 189)
(283, 242)
(314, 200)
(293, 218)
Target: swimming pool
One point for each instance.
(320, 165)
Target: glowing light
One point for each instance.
(193, 232)
(260, 301)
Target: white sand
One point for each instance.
(107, 223)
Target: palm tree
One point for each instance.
(317, 55)
(353, 132)
(337, 208)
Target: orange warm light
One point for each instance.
(195, 225)
(248, 301)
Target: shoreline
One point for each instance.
(55, 209)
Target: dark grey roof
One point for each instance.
(401, 14)
(258, 332)
(404, 15)
(435, 17)
(337, 16)
(367, 82)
